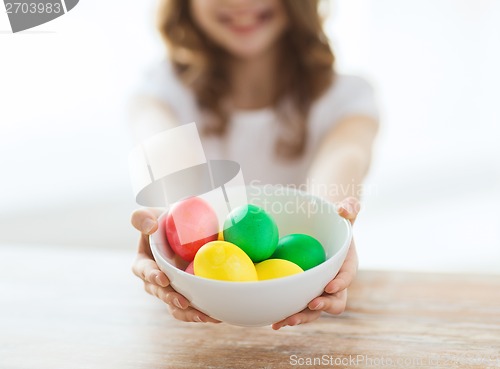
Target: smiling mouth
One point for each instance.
(247, 21)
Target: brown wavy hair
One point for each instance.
(305, 69)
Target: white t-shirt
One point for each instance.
(250, 139)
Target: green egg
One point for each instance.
(253, 230)
(301, 249)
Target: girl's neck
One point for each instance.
(253, 83)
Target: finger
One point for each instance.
(145, 259)
(332, 304)
(347, 272)
(161, 279)
(305, 316)
(349, 208)
(178, 304)
(148, 271)
(191, 315)
(167, 295)
(145, 220)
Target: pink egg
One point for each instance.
(190, 268)
(190, 224)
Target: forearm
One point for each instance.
(149, 116)
(343, 159)
(339, 174)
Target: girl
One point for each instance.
(257, 76)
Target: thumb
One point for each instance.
(145, 220)
(349, 208)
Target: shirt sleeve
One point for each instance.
(160, 82)
(348, 95)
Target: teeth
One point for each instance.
(244, 19)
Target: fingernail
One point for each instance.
(177, 303)
(319, 306)
(197, 319)
(147, 225)
(331, 291)
(152, 277)
(160, 281)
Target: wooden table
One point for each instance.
(67, 308)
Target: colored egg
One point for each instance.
(220, 236)
(190, 224)
(224, 261)
(190, 268)
(253, 230)
(301, 249)
(276, 268)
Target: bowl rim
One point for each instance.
(330, 260)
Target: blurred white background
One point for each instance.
(434, 189)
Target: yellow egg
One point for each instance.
(220, 237)
(276, 268)
(224, 261)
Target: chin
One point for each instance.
(246, 53)
(247, 50)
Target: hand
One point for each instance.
(334, 299)
(156, 282)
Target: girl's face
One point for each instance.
(244, 28)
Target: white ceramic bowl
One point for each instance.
(266, 302)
